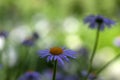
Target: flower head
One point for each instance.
(30, 76)
(56, 53)
(95, 21)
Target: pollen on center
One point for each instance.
(56, 50)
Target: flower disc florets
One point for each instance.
(99, 20)
(56, 50)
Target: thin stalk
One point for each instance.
(54, 72)
(95, 45)
(107, 64)
(93, 52)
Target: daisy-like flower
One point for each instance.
(95, 21)
(57, 53)
(30, 76)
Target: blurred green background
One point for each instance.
(58, 23)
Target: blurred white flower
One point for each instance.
(112, 72)
(101, 58)
(42, 26)
(2, 42)
(73, 41)
(116, 41)
(71, 25)
(19, 33)
(9, 57)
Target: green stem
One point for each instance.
(93, 52)
(54, 72)
(107, 64)
(95, 45)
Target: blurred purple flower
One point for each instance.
(71, 77)
(84, 73)
(95, 21)
(91, 76)
(4, 34)
(28, 42)
(31, 40)
(30, 76)
(57, 53)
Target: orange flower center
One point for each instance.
(56, 50)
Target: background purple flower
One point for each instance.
(30, 76)
(3, 34)
(28, 42)
(91, 76)
(71, 77)
(31, 40)
(95, 21)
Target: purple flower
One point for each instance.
(28, 42)
(30, 76)
(71, 77)
(95, 21)
(92, 76)
(31, 40)
(3, 34)
(57, 53)
(84, 73)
